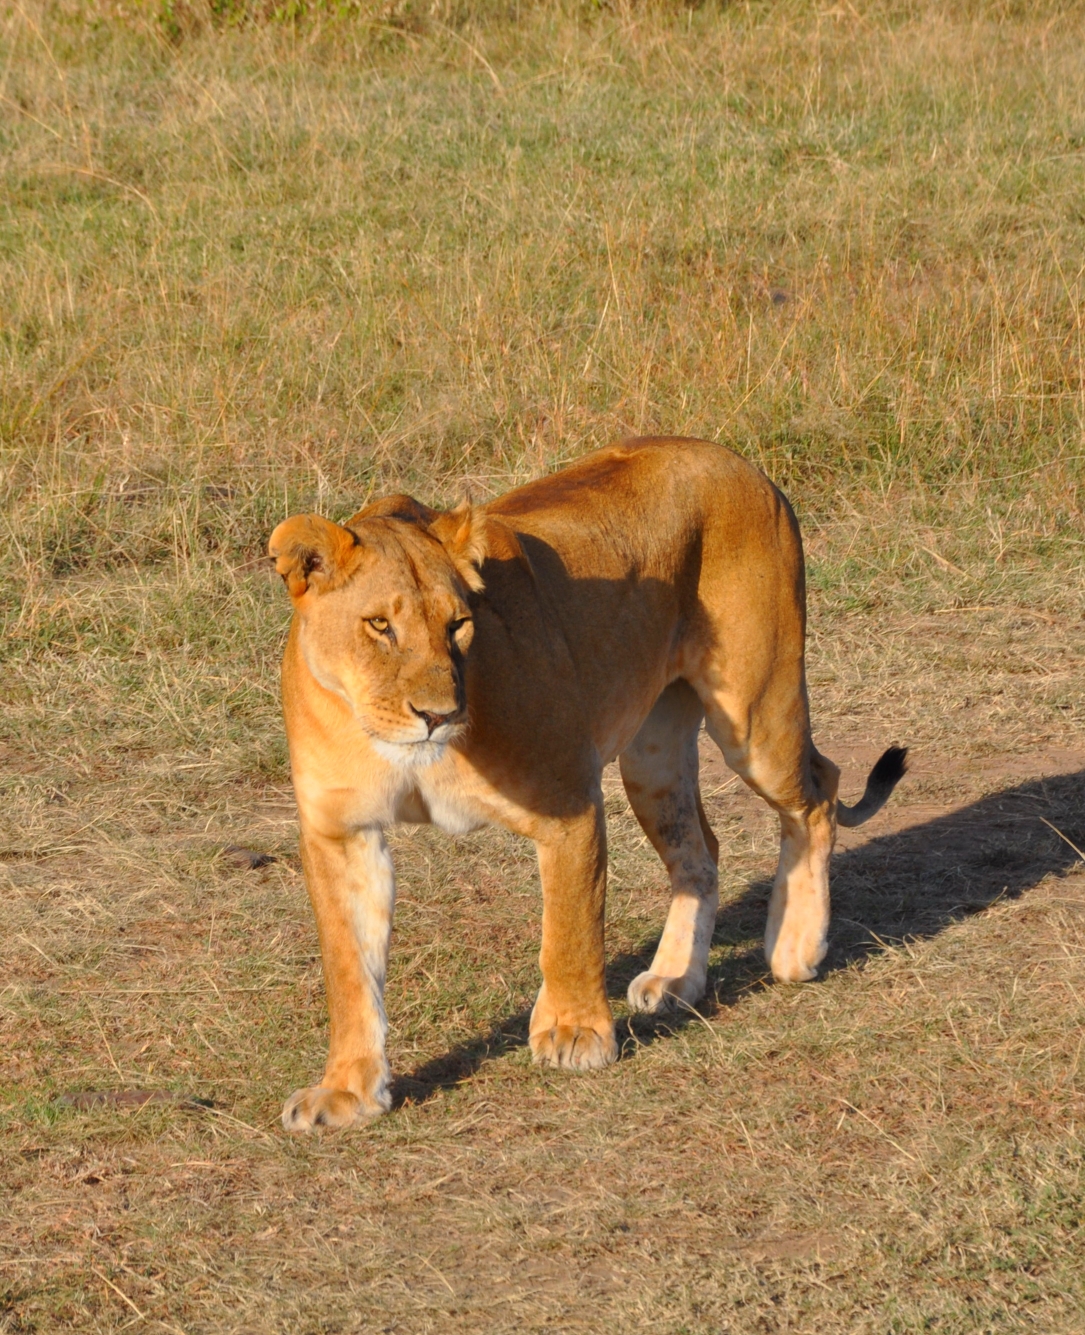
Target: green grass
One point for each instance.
(249, 267)
(291, 266)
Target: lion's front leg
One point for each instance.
(351, 884)
(571, 1023)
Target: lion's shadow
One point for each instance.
(907, 885)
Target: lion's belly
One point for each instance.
(614, 734)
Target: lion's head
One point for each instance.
(384, 620)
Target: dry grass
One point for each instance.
(249, 269)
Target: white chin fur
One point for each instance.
(411, 755)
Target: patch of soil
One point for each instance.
(911, 803)
(956, 836)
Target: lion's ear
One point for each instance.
(312, 552)
(462, 533)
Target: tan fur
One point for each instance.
(483, 665)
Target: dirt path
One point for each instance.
(956, 837)
(961, 781)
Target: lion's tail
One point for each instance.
(883, 778)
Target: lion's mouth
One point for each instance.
(418, 752)
(411, 755)
(445, 732)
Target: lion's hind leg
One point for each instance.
(659, 770)
(770, 748)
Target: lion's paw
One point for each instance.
(574, 1047)
(795, 960)
(320, 1108)
(653, 994)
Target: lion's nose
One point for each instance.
(433, 721)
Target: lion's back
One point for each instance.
(649, 500)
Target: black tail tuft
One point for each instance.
(883, 778)
(892, 766)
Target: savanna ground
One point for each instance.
(251, 266)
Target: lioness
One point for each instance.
(484, 664)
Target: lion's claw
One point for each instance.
(574, 1047)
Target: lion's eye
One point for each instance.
(454, 627)
(380, 626)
